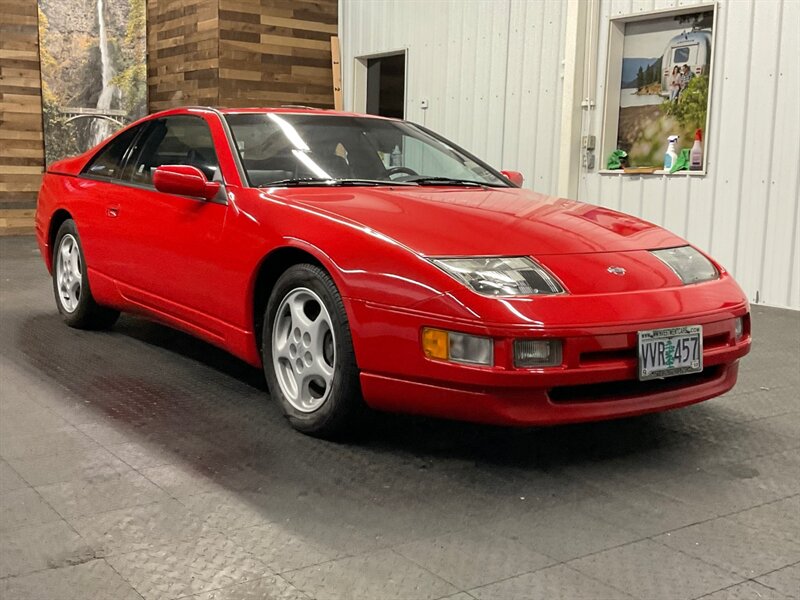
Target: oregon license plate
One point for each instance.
(671, 351)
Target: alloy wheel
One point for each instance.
(304, 349)
(68, 273)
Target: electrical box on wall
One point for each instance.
(588, 143)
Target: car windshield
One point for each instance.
(279, 149)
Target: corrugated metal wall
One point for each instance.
(491, 72)
(744, 212)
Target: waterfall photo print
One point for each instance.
(94, 73)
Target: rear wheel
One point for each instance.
(71, 283)
(308, 353)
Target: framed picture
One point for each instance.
(94, 71)
(659, 85)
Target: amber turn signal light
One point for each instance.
(457, 347)
(435, 343)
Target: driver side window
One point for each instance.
(178, 140)
(425, 159)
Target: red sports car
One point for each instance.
(365, 261)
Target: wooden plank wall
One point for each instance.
(21, 146)
(182, 53)
(207, 52)
(275, 52)
(240, 52)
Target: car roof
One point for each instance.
(286, 109)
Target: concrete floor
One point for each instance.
(141, 463)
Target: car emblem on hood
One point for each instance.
(616, 270)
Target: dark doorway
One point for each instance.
(386, 86)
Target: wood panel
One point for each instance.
(16, 221)
(21, 145)
(240, 52)
(182, 53)
(274, 52)
(336, 66)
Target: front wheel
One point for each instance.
(71, 283)
(308, 355)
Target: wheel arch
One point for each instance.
(56, 220)
(271, 267)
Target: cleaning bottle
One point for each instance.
(671, 155)
(696, 154)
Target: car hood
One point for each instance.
(483, 222)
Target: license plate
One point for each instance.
(669, 352)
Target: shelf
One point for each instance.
(659, 173)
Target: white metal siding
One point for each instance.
(744, 212)
(491, 71)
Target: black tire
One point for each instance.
(342, 410)
(86, 313)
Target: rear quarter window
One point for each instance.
(109, 161)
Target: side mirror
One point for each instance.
(514, 177)
(184, 180)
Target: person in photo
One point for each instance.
(686, 77)
(675, 83)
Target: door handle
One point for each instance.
(112, 211)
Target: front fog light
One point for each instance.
(738, 328)
(537, 353)
(457, 347)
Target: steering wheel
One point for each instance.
(395, 170)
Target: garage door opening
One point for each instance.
(386, 85)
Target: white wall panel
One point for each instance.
(492, 73)
(490, 70)
(533, 92)
(745, 210)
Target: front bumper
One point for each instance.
(598, 378)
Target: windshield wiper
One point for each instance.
(449, 181)
(321, 181)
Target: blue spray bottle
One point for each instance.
(672, 154)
